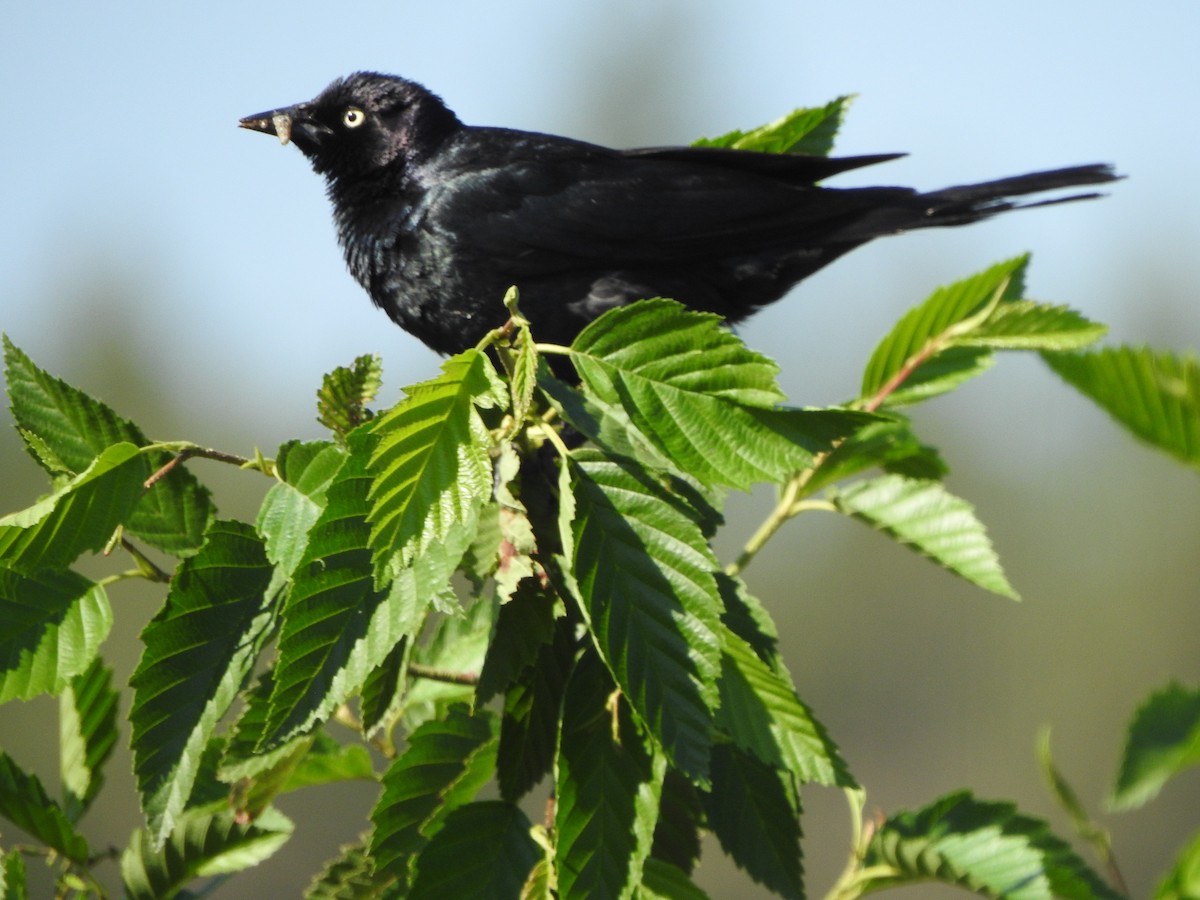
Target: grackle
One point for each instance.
(437, 219)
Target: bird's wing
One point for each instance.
(563, 205)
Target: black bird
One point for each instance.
(437, 219)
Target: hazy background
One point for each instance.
(186, 272)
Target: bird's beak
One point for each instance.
(277, 122)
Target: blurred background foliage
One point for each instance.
(187, 273)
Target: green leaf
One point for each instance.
(935, 523)
(755, 813)
(700, 396)
(456, 644)
(74, 429)
(1163, 740)
(1182, 880)
(336, 626)
(1154, 394)
(345, 392)
(443, 767)
(646, 585)
(199, 650)
(87, 735)
(663, 881)
(292, 507)
(382, 695)
(13, 885)
(529, 729)
(890, 445)
(54, 623)
(1027, 325)
(810, 131)
(523, 626)
(607, 786)
(918, 359)
(484, 851)
(201, 844)
(680, 819)
(988, 848)
(351, 876)
(327, 762)
(81, 515)
(431, 469)
(762, 714)
(25, 803)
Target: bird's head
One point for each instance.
(361, 124)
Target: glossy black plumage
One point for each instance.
(437, 219)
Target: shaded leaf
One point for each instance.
(443, 767)
(754, 811)
(484, 851)
(87, 735)
(529, 730)
(645, 580)
(25, 803)
(931, 520)
(199, 650)
(345, 392)
(351, 876)
(663, 881)
(677, 832)
(201, 844)
(1163, 739)
(984, 847)
(523, 626)
(761, 712)
(54, 622)
(382, 694)
(1154, 394)
(608, 779)
(74, 429)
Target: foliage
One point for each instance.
(595, 659)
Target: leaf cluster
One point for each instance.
(500, 594)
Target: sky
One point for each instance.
(145, 234)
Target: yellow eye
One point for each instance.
(353, 117)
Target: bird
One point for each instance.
(438, 219)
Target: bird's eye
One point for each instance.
(353, 117)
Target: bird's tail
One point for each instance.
(966, 203)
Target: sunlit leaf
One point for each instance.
(87, 735)
(935, 523)
(54, 622)
(74, 428)
(1154, 394)
(988, 848)
(806, 130)
(201, 844)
